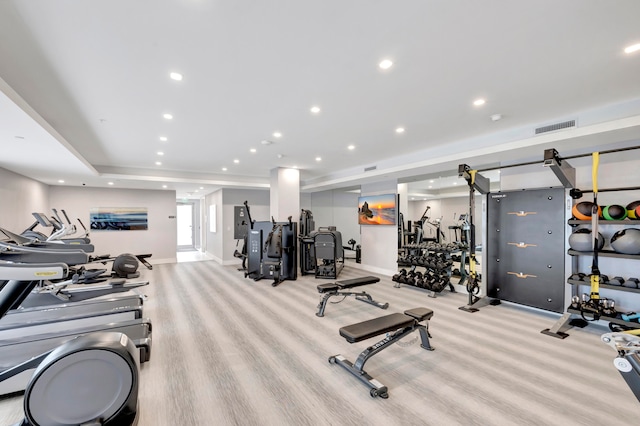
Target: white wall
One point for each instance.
(337, 208)
(160, 239)
(379, 243)
(19, 197)
(215, 240)
(259, 207)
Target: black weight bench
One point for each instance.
(337, 289)
(398, 326)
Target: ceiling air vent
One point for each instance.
(368, 169)
(556, 126)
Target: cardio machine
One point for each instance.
(92, 379)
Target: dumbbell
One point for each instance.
(631, 282)
(397, 276)
(615, 281)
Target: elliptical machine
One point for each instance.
(92, 379)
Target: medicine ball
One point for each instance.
(582, 210)
(626, 241)
(632, 210)
(581, 240)
(124, 265)
(614, 212)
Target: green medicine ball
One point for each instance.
(614, 212)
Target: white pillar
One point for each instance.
(285, 194)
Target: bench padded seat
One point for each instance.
(419, 313)
(328, 287)
(354, 282)
(374, 327)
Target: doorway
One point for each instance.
(185, 226)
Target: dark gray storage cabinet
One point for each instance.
(525, 247)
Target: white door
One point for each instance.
(185, 226)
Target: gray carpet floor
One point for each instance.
(231, 351)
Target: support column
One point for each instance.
(285, 194)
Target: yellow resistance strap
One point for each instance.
(595, 272)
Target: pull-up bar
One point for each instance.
(528, 163)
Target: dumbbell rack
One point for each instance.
(435, 258)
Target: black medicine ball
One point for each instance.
(626, 241)
(582, 240)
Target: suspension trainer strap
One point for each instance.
(595, 271)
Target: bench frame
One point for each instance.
(357, 368)
(338, 289)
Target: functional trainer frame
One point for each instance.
(398, 326)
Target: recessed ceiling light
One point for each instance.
(431, 181)
(109, 183)
(163, 138)
(455, 183)
(318, 158)
(196, 190)
(168, 116)
(277, 134)
(224, 169)
(253, 150)
(400, 130)
(479, 102)
(412, 198)
(202, 187)
(385, 64)
(315, 110)
(632, 48)
(236, 161)
(176, 76)
(60, 181)
(158, 163)
(160, 153)
(351, 147)
(164, 186)
(430, 186)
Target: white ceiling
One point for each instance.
(85, 85)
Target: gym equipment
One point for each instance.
(583, 210)
(475, 181)
(397, 326)
(626, 241)
(339, 289)
(43, 331)
(613, 212)
(630, 316)
(61, 311)
(633, 210)
(581, 240)
(307, 253)
(627, 362)
(328, 252)
(271, 250)
(92, 379)
(240, 230)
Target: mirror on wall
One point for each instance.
(435, 206)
